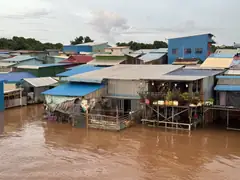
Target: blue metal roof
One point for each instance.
(73, 89)
(222, 55)
(14, 77)
(152, 56)
(227, 88)
(195, 72)
(79, 70)
(228, 77)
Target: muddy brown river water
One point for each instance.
(32, 148)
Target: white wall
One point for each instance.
(126, 88)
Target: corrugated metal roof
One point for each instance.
(79, 59)
(192, 61)
(233, 72)
(222, 55)
(144, 51)
(42, 65)
(79, 70)
(134, 55)
(5, 55)
(18, 58)
(126, 72)
(73, 89)
(226, 51)
(14, 77)
(152, 56)
(180, 78)
(91, 44)
(228, 77)
(195, 72)
(106, 62)
(227, 88)
(217, 62)
(40, 82)
(2, 64)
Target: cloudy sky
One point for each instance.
(119, 20)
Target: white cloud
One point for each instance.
(63, 20)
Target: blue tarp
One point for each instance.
(227, 88)
(14, 77)
(79, 70)
(73, 89)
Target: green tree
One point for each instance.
(77, 40)
(87, 39)
(136, 46)
(21, 43)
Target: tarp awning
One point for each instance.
(74, 89)
(227, 88)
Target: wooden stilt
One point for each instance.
(227, 119)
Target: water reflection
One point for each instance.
(58, 151)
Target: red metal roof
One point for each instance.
(78, 59)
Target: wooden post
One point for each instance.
(172, 115)
(190, 119)
(166, 114)
(227, 119)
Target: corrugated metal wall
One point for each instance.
(208, 86)
(127, 88)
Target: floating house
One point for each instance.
(4, 56)
(78, 59)
(6, 67)
(133, 88)
(118, 50)
(13, 95)
(33, 87)
(77, 70)
(44, 70)
(55, 59)
(22, 60)
(68, 102)
(108, 60)
(198, 46)
(85, 47)
(41, 55)
(148, 56)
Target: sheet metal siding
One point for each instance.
(192, 42)
(37, 93)
(97, 94)
(126, 88)
(228, 82)
(29, 62)
(208, 85)
(98, 48)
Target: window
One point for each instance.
(187, 51)
(175, 51)
(198, 50)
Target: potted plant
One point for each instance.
(195, 98)
(184, 98)
(209, 102)
(175, 97)
(168, 101)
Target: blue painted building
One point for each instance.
(91, 47)
(198, 46)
